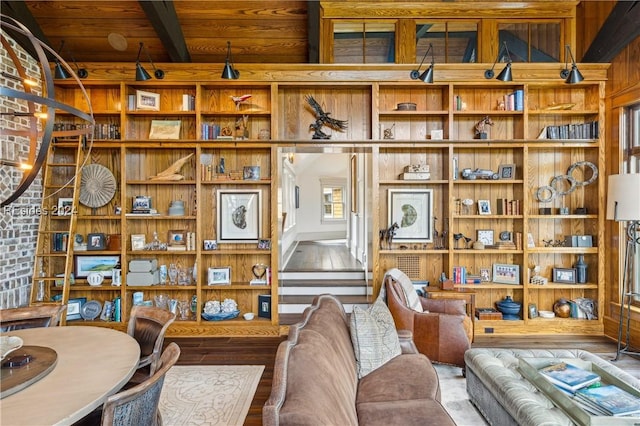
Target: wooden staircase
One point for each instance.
(53, 263)
(297, 290)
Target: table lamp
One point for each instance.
(623, 205)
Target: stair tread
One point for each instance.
(308, 299)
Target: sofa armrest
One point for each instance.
(444, 306)
(406, 342)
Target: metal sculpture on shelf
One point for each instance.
(323, 119)
(386, 236)
(481, 133)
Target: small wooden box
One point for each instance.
(488, 314)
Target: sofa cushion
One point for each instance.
(318, 391)
(374, 337)
(411, 298)
(419, 412)
(408, 376)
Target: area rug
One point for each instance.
(454, 398)
(208, 394)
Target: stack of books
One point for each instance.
(608, 400)
(569, 377)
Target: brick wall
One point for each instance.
(18, 221)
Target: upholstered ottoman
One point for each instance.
(504, 397)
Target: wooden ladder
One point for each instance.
(53, 267)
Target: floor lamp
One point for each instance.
(623, 205)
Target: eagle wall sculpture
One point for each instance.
(323, 119)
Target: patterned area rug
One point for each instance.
(454, 398)
(208, 394)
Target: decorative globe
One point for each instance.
(562, 308)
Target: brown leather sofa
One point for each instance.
(315, 379)
(443, 332)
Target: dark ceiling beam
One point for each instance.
(313, 32)
(19, 11)
(163, 17)
(621, 27)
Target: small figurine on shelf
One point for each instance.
(480, 127)
(323, 119)
(386, 236)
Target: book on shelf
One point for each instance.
(610, 399)
(568, 376)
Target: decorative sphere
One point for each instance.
(562, 308)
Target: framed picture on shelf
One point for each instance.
(251, 173)
(84, 265)
(96, 242)
(565, 275)
(484, 207)
(264, 244)
(485, 275)
(65, 206)
(412, 210)
(507, 171)
(239, 215)
(138, 242)
(209, 245)
(165, 129)
(74, 308)
(219, 276)
(147, 101)
(506, 274)
(176, 237)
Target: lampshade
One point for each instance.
(575, 76)
(60, 72)
(427, 76)
(505, 74)
(623, 197)
(141, 73)
(229, 72)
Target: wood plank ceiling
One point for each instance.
(261, 31)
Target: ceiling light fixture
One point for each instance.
(141, 73)
(574, 76)
(63, 74)
(505, 74)
(426, 76)
(229, 72)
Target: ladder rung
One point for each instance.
(61, 164)
(61, 254)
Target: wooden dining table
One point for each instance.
(92, 364)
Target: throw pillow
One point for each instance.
(374, 337)
(410, 295)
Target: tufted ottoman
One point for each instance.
(504, 397)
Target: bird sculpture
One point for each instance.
(239, 99)
(323, 119)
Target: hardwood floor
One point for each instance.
(262, 351)
(310, 256)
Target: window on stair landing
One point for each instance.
(453, 42)
(362, 42)
(333, 200)
(532, 42)
(631, 164)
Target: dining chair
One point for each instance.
(148, 325)
(139, 405)
(30, 317)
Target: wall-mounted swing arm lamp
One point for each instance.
(623, 205)
(574, 76)
(505, 74)
(229, 72)
(426, 76)
(141, 73)
(16, 164)
(61, 73)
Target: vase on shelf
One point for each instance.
(581, 269)
(510, 309)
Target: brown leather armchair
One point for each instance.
(443, 332)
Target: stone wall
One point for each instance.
(18, 221)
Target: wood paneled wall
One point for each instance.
(623, 89)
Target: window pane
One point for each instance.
(452, 42)
(517, 38)
(462, 42)
(359, 42)
(545, 42)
